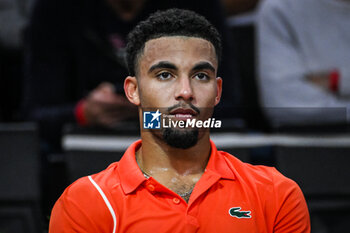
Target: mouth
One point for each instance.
(184, 113)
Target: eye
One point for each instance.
(201, 76)
(164, 75)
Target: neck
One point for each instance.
(156, 157)
(176, 169)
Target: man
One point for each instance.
(75, 68)
(174, 179)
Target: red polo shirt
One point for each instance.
(231, 196)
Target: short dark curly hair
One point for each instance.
(171, 22)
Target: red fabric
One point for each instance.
(79, 113)
(228, 190)
(334, 80)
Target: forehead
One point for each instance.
(178, 49)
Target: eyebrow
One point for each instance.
(162, 65)
(204, 66)
(167, 65)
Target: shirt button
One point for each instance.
(176, 200)
(151, 187)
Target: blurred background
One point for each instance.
(63, 113)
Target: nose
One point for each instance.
(184, 89)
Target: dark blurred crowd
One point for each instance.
(63, 61)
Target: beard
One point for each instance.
(182, 139)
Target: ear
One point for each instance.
(131, 90)
(218, 90)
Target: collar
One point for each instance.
(219, 164)
(131, 176)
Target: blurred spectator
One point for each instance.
(75, 60)
(304, 61)
(14, 16)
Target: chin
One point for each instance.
(180, 138)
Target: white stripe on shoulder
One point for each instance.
(106, 201)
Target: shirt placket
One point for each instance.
(201, 189)
(190, 209)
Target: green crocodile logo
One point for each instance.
(235, 212)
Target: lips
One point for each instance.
(183, 113)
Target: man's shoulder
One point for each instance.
(258, 174)
(85, 204)
(89, 185)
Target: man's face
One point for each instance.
(178, 75)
